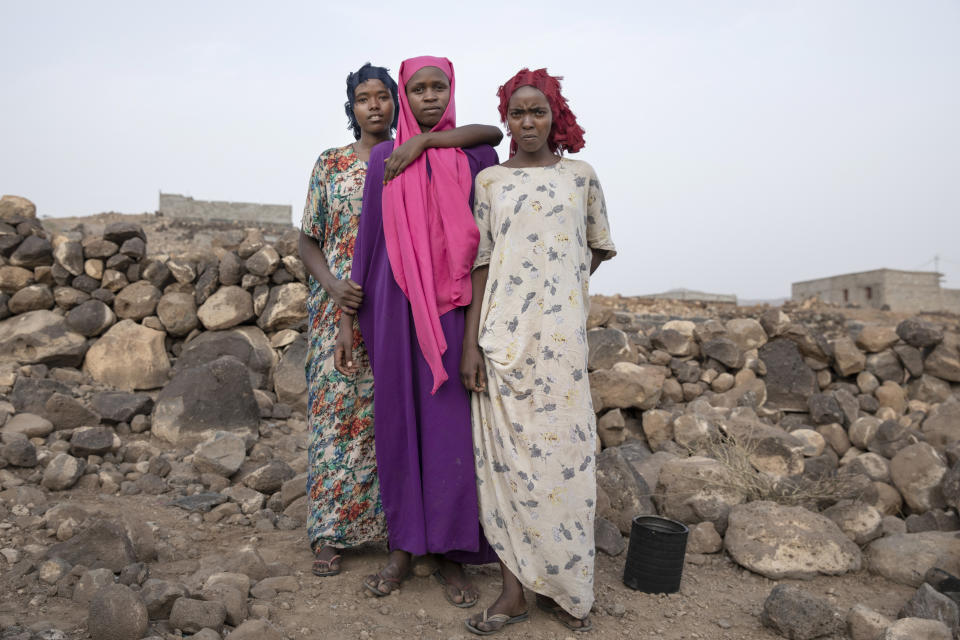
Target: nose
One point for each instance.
(527, 121)
(430, 95)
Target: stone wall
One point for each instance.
(176, 206)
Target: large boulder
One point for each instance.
(15, 209)
(875, 338)
(919, 333)
(906, 558)
(747, 333)
(788, 542)
(249, 345)
(697, 489)
(629, 494)
(944, 360)
(31, 298)
(90, 318)
(290, 379)
(41, 337)
(228, 307)
(129, 356)
(286, 307)
(800, 615)
(104, 545)
(942, 425)
(201, 400)
(137, 301)
(178, 313)
(608, 346)
(627, 385)
(12, 279)
(917, 472)
(117, 613)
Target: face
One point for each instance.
(373, 106)
(529, 118)
(428, 92)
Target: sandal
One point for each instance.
(379, 582)
(464, 604)
(326, 568)
(499, 620)
(560, 615)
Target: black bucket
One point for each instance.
(655, 555)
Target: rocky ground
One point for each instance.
(153, 450)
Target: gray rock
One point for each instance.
(290, 380)
(848, 359)
(134, 574)
(178, 313)
(129, 356)
(950, 487)
(906, 558)
(92, 581)
(789, 380)
(697, 489)
(117, 613)
(788, 542)
(137, 301)
(911, 358)
(861, 522)
(221, 454)
(66, 412)
(271, 476)
(286, 307)
(607, 347)
(28, 424)
(233, 600)
(704, 538)
(31, 298)
(264, 262)
(201, 502)
(917, 472)
(30, 395)
(249, 345)
(33, 251)
(191, 616)
(919, 333)
(20, 453)
(93, 441)
(799, 615)
(885, 366)
(929, 389)
(120, 232)
(930, 604)
(159, 596)
(628, 493)
(41, 337)
(63, 472)
(121, 406)
(607, 537)
(202, 400)
(890, 438)
(250, 501)
(248, 562)
(824, 409)
(231, 269)
(103, 545)
(942, 426)
(226, 308)
(944, 360)
(627, 385)
(865, 624)
(90, 318)
(257, 629)
(69, 255)
(915, 629)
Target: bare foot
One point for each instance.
(506, 609)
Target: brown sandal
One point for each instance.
(326, 568)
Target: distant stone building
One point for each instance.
(698, 296)
(173, 205)
(910, 291)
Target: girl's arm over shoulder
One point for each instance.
(469, 135)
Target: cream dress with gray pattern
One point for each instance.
(534, 430)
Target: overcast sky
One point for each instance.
(742, 145)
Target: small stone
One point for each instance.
(116, 612)
(799, 615)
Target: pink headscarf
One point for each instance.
(429, 230)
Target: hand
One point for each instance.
(343, 353)
(347, 294)
(472, 373)
(402, 156)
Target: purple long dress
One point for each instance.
(423, 443)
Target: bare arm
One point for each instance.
(346, 293)
(596, 257)
(343, 349)
(466, 136)
(472, 373)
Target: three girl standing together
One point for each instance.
(498, 299)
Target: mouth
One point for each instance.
(432, 110)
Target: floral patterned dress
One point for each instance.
(344, 494)
(534, 430)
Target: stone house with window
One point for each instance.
(909, 291)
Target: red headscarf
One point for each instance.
(565, 134)
(428, 227)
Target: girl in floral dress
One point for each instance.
(342, 488)
(543, 231)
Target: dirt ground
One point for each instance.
(717, 599)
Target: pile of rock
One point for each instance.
(799, 444)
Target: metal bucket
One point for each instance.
(655, 555)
